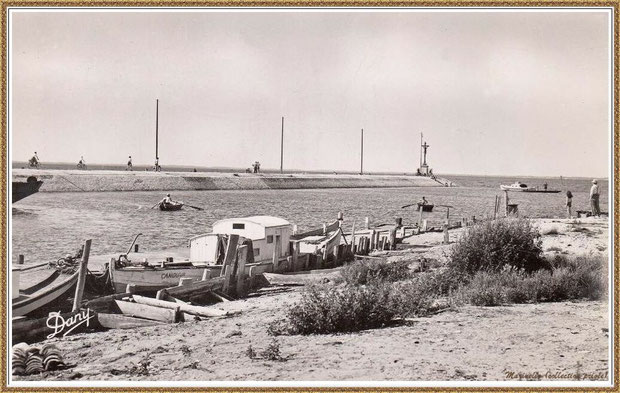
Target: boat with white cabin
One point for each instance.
(517, 186)
(271, 247)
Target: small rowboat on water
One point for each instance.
(167, 207)
(425, 208)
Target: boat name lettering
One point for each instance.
(59, 324)
(171, 275)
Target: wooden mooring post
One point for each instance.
(229, 260)
(242, 256)
(79, 290)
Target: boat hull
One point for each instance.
(512, 188)
(544, 191)
(426, 208)
(21, 190)
(166, 207)
(150, 280)
(52, 294)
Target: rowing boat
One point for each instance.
(39, 297)
(169, 207)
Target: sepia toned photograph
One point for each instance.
(309, 197)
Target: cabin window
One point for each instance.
(237, 225)
(257, 252)
(270, 239)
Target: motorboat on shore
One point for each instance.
(268, 241)
(517, 186)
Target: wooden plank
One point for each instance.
(148, 312)
(120, 321)
(242, 259)
(276, 254)
(219, 296)
(229, 259)
(212, 284)
(316, 276)
(187, 308)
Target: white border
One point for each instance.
(312, 384)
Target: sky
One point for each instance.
(506, 93)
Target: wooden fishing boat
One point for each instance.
(150, 278)
(267, 239)
(52, 290)
(21, 189)
(169, 207)
(425, 208)
(318, 242)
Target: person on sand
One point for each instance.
(129, 165)
(569, 203)
(594, 199)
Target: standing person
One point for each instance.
(569, 203)
(129, 165)
(594, 199)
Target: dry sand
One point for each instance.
(547, 341)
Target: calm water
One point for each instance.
(46, 226)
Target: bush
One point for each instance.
(374, 271)
(340, 309)
(579, 278)
(495, 245)
(414, 298)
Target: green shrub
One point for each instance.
(414, 298)
(577, 278)
(495, 245)
(373, 271)
(327, 309)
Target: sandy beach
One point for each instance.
(544, 341)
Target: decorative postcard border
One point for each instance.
(6, 4)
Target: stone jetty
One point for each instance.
(107, 180)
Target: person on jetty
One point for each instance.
(569, 203)
(81, 164)
(594, 199)
(34, 161)
(129, 165)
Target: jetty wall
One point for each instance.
(101, 181)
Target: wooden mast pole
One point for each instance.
(282, 148)
(157, 130)
(421, 142)
(362, 154)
